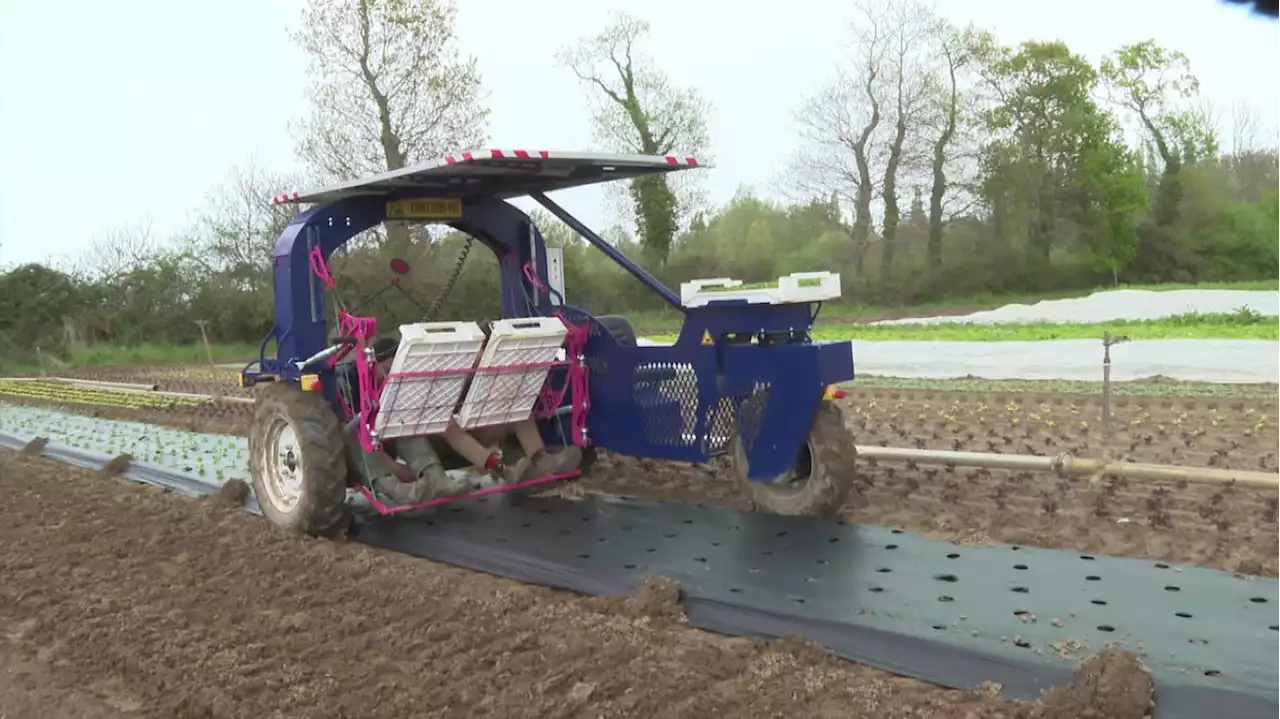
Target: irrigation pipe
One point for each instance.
(209, 397)
(1064, 465)
(103, 384)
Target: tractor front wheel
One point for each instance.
(297, 461)
(821, 480)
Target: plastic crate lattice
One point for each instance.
(427, 377)
(524, 350)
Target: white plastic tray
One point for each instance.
(424, 404)
(509, 396)
(796, 288)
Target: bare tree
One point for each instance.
(1244, 128)
(120, 252)
(237, 231)
(838, 125)
(956, 51)
(389, 87)
(908, 26)
(637, 109)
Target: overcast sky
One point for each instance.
(126, 113)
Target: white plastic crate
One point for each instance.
(509, 396)
(795, 288)
(417, 405)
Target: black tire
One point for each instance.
(624, 333)
(821, 481)
(315, 501)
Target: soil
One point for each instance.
(121, 600)
(1231, 528)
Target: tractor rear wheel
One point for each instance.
(822, 478)
(296, 457)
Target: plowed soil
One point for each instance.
(1230, 528)
(119, 600)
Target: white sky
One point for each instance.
(120, 114)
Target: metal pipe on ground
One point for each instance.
(989, 460)
(209, 397)
(104, 384)
(1065, 465)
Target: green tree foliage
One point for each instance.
(1056, 174)
(1155, 86)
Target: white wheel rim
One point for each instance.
(282, 461)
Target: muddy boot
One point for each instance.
(402, 492)
(560, 460)
(370, 469)
(521, 470)
(375, 474)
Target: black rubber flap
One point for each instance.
(951, 615)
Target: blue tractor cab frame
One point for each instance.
(741, 379)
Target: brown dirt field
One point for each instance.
(123, 601)
(1227, 528)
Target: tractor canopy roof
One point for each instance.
(498, 174)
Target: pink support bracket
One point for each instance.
(320, 267)
(382, 508)
(363, 330)
(575, 344)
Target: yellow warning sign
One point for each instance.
(706, 338)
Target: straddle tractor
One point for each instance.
(744, 378)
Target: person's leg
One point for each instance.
(530, 438)
(421, 457)
(468, 447)
(481, 457)
(377, 474)
(492, 435)
(546, 462)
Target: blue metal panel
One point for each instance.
(796, 376)
(665, 402)
(649, 401)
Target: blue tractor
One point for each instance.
(744, 378)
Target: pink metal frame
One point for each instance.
(383, 508)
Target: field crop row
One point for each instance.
(64, 393)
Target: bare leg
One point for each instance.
(530, 438)
(491, 436)
(466, 445)
(546, 461)
(526, 432)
